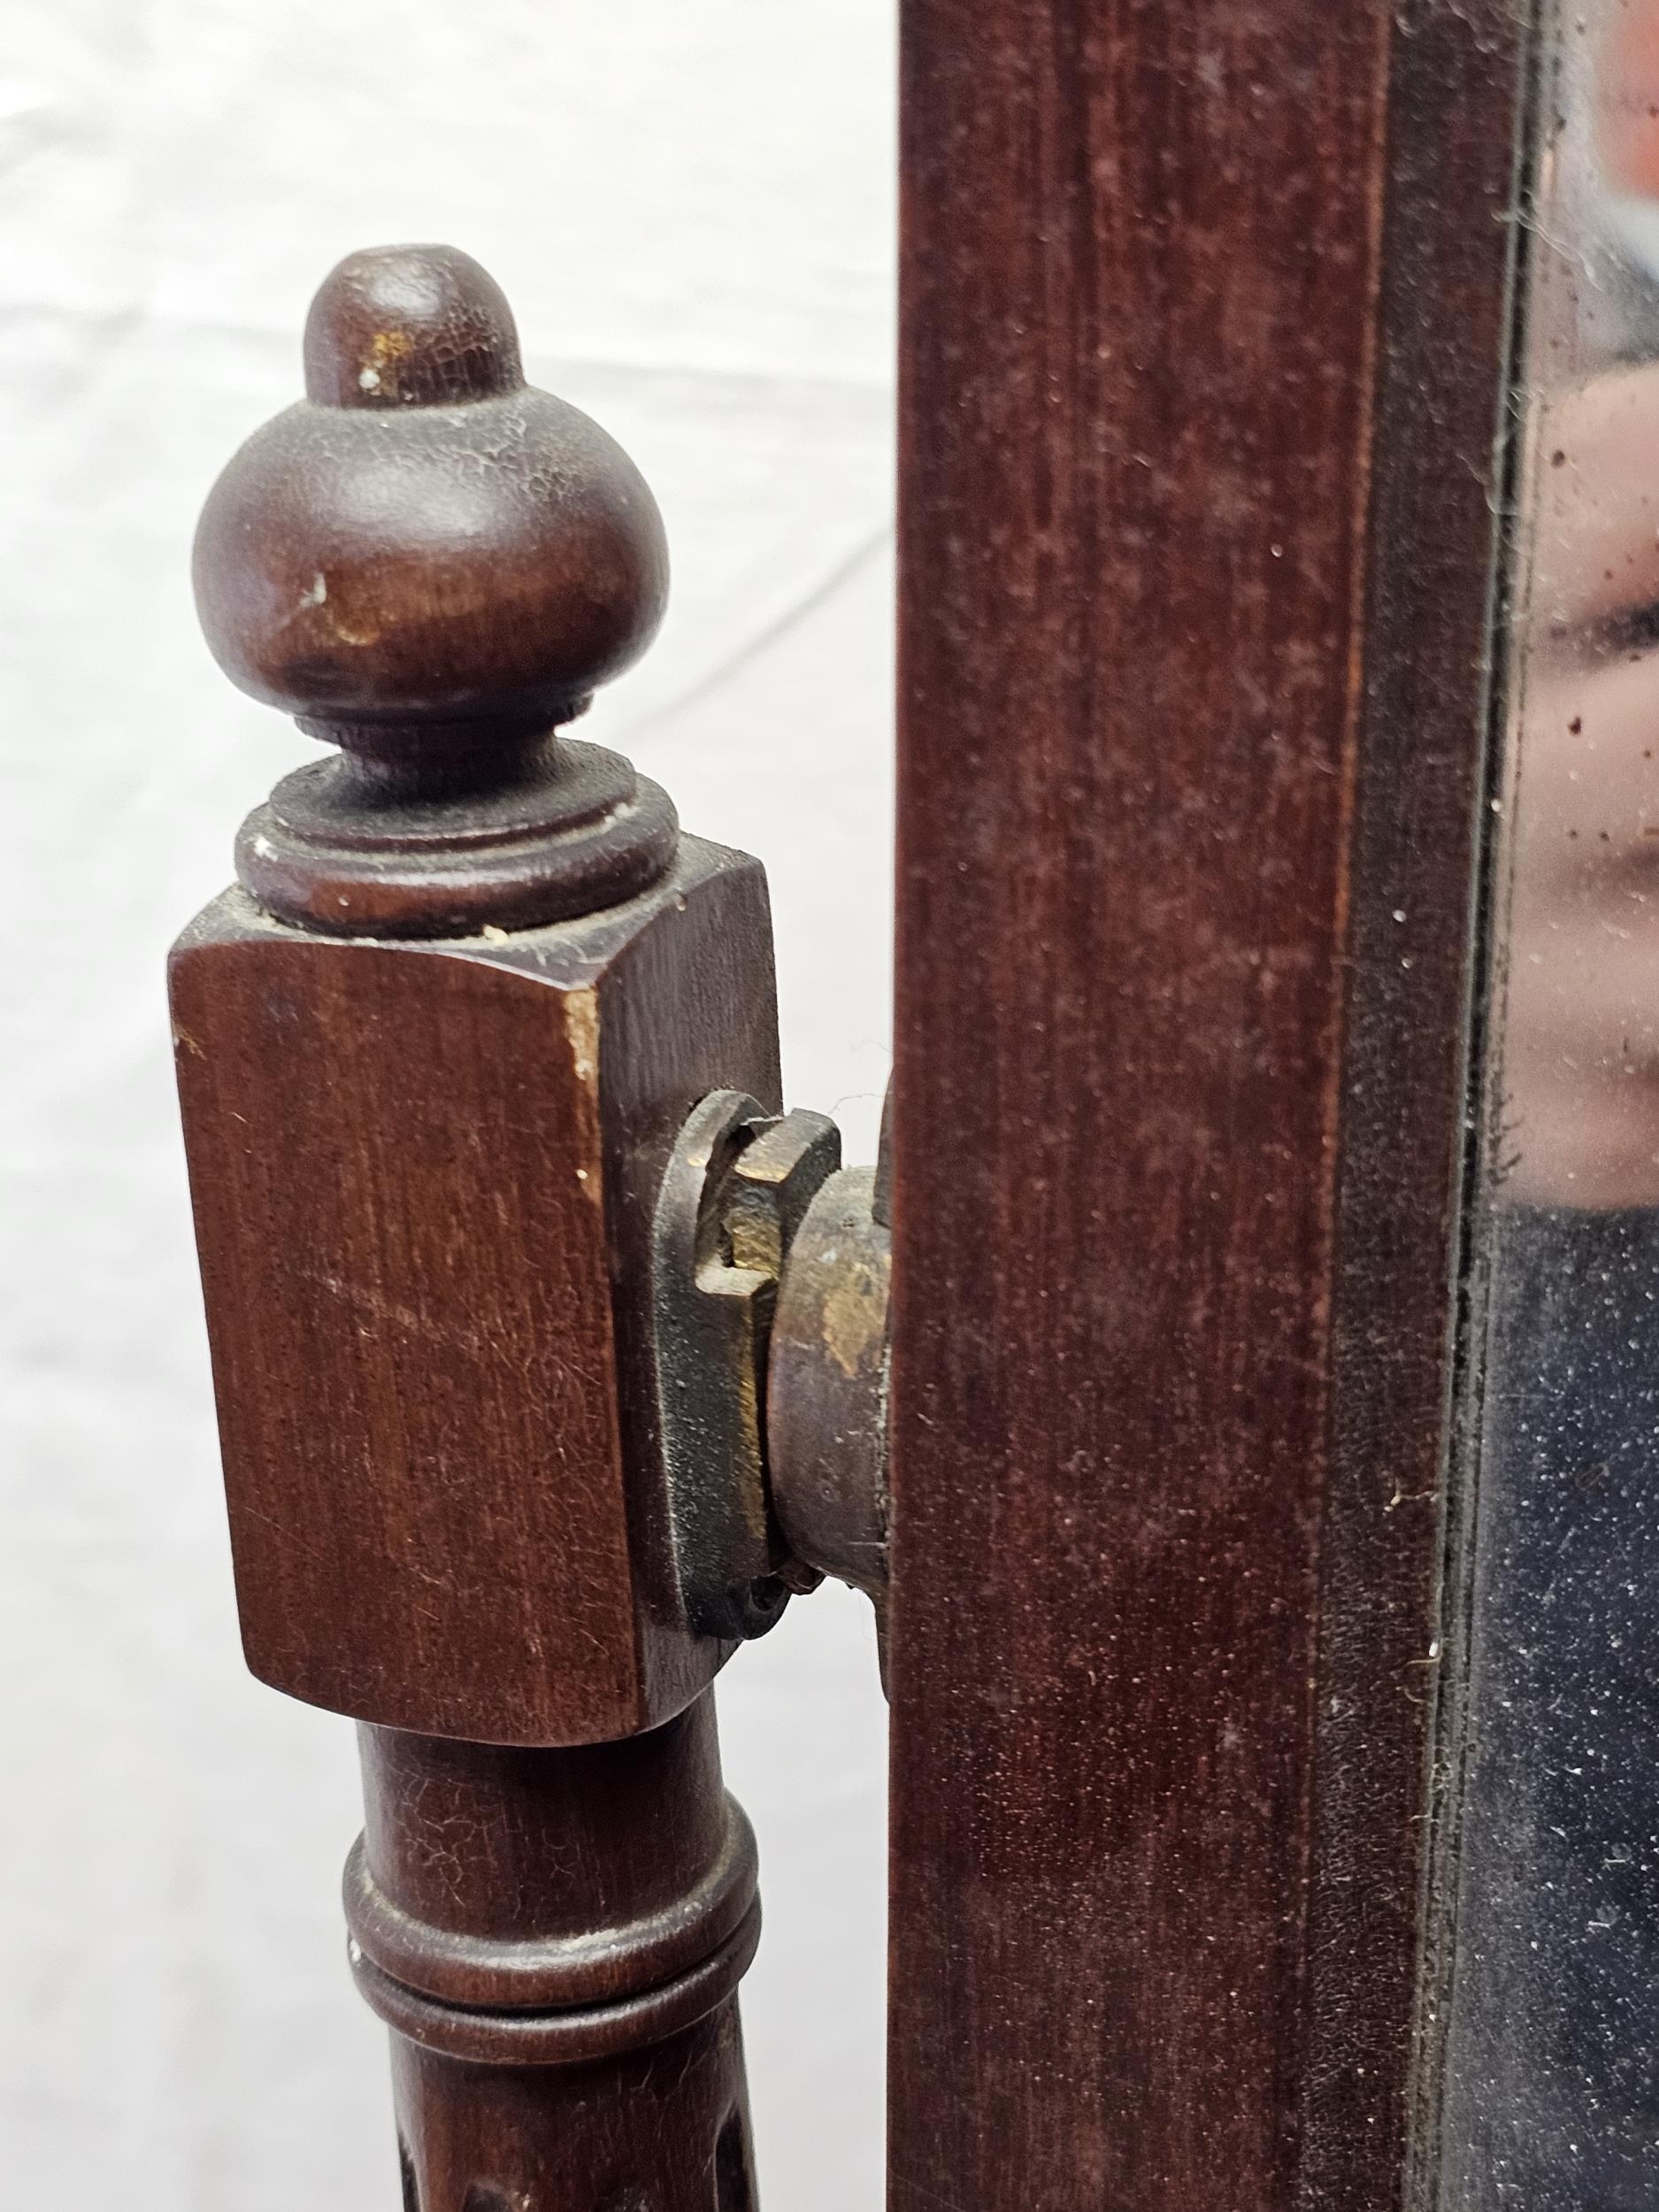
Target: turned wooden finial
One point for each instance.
(433, 565)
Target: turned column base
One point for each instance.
(555, 1940)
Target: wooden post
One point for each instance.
(433, 1050)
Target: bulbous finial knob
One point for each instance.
(425, 540)
(433, 564)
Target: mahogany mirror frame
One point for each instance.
(1208, 324)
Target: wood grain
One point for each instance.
(423, 1182)
(1204, 316)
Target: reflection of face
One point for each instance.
(1626, 100)
(1581, 1055)
(1581, 1041)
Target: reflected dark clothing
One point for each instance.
(1554, 2087)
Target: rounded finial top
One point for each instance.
(427, 543)
(409, 325)
(434, 565)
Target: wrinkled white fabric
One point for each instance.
(690, 205)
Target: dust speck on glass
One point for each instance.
(1552, 2050)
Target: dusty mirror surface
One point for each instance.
(1552, 2012)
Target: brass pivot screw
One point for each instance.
(773, 1267)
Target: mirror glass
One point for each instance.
(1552, 2000)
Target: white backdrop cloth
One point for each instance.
(690, 205)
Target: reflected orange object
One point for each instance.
(1627, 99)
